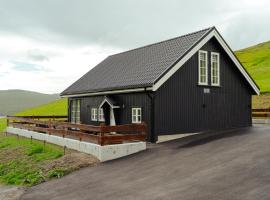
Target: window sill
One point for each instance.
(217, 86)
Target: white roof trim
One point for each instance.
(106, 100)
(109, 92)
(195, 49)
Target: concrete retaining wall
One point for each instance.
(103, 153)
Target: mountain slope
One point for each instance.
(13, 101)
(256, 59)
(58, 107)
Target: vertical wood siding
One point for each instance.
(182, 106)
(122, 114)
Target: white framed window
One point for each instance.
(75, 111)
(136, 115)
(94, 114)
(101, 115)
(215, 72)
(203, 68)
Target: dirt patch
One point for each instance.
(261, 101)
(71, 161)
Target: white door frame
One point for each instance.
(112, 118)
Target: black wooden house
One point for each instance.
(186, 84)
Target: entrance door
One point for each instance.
(108, 114)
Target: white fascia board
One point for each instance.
(109, 92)
(195, 49)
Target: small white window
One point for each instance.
(215, 75)
(136, 115)
(101, 115)
(94, 114)
(203, 69)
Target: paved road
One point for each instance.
(231, 165)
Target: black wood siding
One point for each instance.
(182, 106)
(122, 114)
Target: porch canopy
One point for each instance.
(110, 101)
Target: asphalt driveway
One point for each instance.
(224, 165)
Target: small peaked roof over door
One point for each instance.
(110, 101)
(148, 67)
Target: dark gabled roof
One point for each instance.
(136, 68)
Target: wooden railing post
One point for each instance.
(7, 121)
(101, 134)
(49, 126)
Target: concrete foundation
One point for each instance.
(103, 153)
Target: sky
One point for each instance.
(46, 45)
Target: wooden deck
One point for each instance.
(102, 135)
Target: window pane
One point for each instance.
(215, 69)
(202, 67)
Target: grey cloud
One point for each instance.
(37, 55)
(123, 23)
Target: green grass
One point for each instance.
(22, 161)
(256, 60)
(58, 107)
(3, 125)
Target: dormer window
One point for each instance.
(203, 71)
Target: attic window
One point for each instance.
(215, 69)
(203, 71)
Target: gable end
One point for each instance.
(214, 33)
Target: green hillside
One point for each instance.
(58, 107)
(13, 101)
(256, 59)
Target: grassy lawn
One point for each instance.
(22, 161)
(26, 162)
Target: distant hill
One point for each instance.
(14, 101)
(58, 107)
(256, 59)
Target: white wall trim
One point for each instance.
(195, 49)
(108, 92)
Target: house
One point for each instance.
(186, 84)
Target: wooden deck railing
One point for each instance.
(103, 135)
(261, 113)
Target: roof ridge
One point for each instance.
(209, 28)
